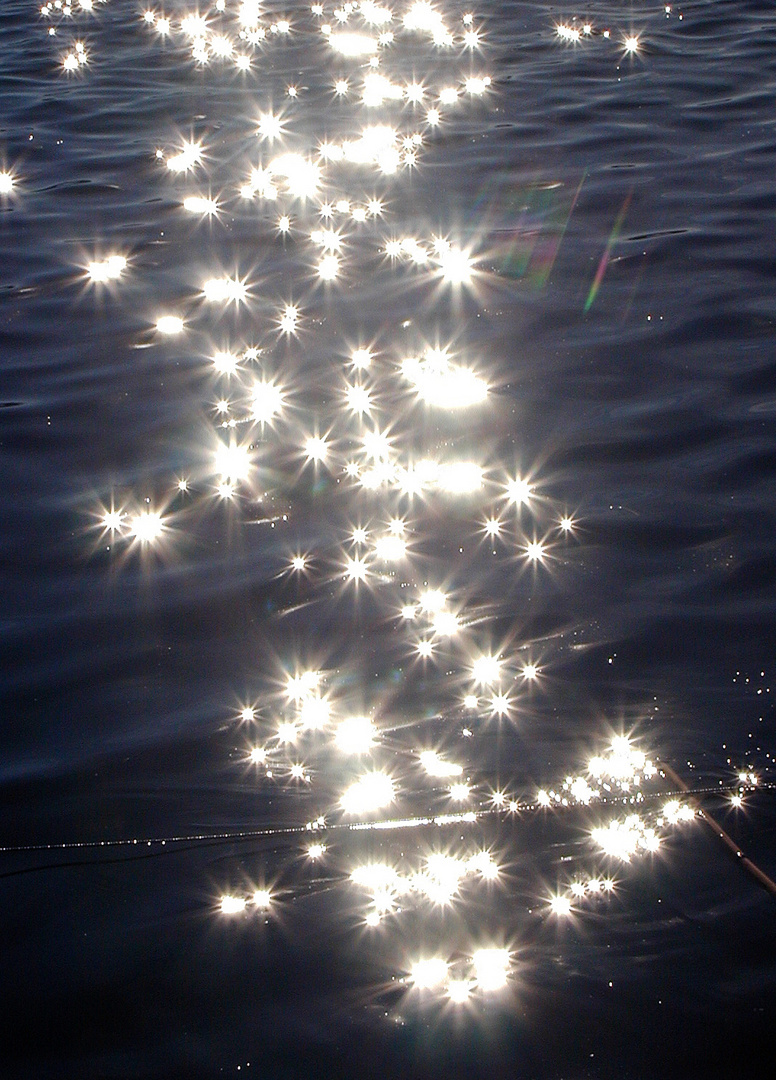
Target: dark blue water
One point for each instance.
(618, 208)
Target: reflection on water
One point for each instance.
(316, 299)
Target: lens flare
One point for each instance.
(359, 433)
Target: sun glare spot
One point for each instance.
(200, 204)
(370, 792)
(146, 526)
(185, 159)
(109, 269)
(429, 974)
(169, 325)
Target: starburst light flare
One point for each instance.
(375, 471)
(370, 792)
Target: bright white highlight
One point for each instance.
(353, 44)
(459, 991)
(435, 766)
(189, 156)
(222, 290)
(390, 548)
(459, 477)
(233, 462)
(486, 669)
(370, 792)
(428, 974)
(624, 839)
(302, 177)
(199, 204)
(266, 401)
(519, 491)
(109, 269)
(491, 967)
(560, 905)
(146, 527)
(232, 905)
(440, 383)
(355, 735)
(169, 325)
